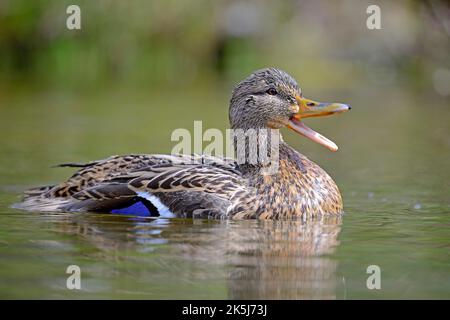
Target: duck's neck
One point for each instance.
(263, 152)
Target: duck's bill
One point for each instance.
(309, 108)
(306, 131)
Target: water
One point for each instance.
(392, 168)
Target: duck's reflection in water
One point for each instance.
(256, 259)
(284, 260)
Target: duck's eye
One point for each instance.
(272, 91)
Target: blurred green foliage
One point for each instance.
(177, 42)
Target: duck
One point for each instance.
(213, 187)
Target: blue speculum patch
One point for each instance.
(136, 209)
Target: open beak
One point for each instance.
(309, 108)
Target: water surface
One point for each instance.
(392, 168)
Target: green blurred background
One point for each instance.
(180, 43)
(137, 70)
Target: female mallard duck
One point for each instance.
(207, 186)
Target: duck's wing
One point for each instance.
(99, 171)
(186, 185)
(184, 189)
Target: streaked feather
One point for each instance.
(105, 184)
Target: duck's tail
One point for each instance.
(41, 199)
(34, 200)
(37, 191)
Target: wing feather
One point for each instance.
(191, 185)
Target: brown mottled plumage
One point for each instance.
(292, 192)
(207, 186)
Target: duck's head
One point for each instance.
(271, 98)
